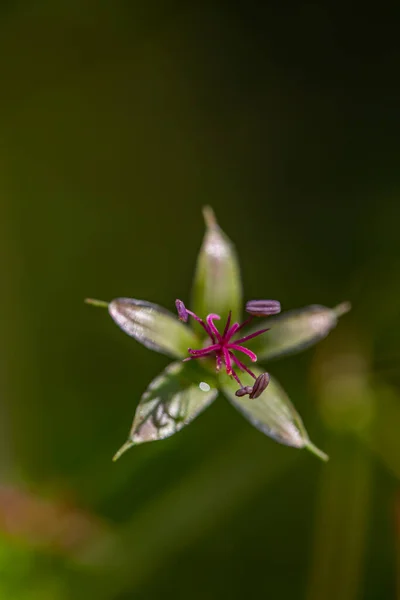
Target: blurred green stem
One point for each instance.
(341, 523)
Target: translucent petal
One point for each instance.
(295, 330)
(217, 285)
(172, 400)
(153, 326)
(272, 413)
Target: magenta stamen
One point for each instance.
(228, 322)
(210, 323)
(205, 327)
(204, 351)
(222, 346)
(246, 351)
(194, 357)
(246, 322)
(241, 365)
(234, 374)
(227, 361)
(251, 336)
(232, 331)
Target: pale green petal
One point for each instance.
(172, 400)
(295, 330)
(217, 284)
(153, 326)
(272, 413)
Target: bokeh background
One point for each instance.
(118, 122)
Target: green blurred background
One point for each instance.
(118, 122)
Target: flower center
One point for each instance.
(224, 347)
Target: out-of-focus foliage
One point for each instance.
(118, 122)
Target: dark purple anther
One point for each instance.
(244, 391)
(182, 312)
(260, 385)
(263, 308)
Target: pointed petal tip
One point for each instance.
(128, 444)
(342, 308)
(316, 451)
(94, 302)
(209, 217)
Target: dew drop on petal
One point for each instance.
(204, 386)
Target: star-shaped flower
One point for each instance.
(208, 356)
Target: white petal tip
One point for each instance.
(122, 450)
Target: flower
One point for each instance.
(208, 357)
(223, 345)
